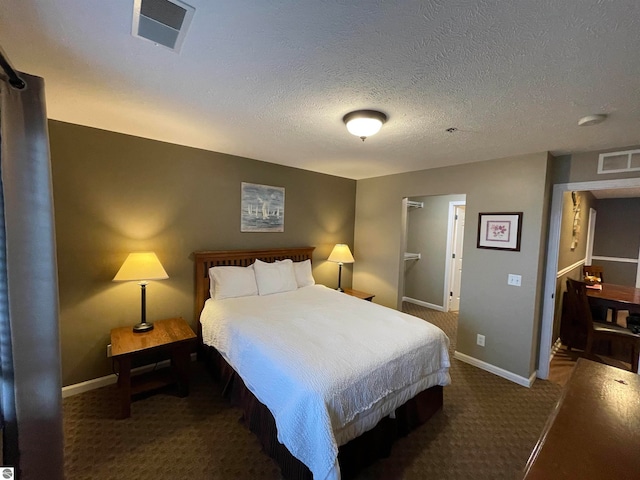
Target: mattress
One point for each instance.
(327, 365)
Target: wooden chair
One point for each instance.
(593, 271)
(580, 310)
(596, 271)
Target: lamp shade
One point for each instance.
(341, 254)
(141, 266)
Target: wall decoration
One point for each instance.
(500, 231)
(575, 230)
(262, 208)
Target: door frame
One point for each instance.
(553, 248)
(591, 231)
(449, 252)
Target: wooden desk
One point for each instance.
(173, 337)
(594, 431)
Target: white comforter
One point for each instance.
(327, 365)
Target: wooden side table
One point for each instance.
(594, 430)
(359, 294)
(173, 337)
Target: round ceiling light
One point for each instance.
(591, 120)
(364, 123)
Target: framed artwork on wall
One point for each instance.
(262, 208)
(500, 231)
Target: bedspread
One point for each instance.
(327, 365)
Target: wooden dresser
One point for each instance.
(594, 430)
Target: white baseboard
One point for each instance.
(570, 268)
(520, 380)
(432, 306)
(100, 382)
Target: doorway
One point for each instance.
(551, 273)
(431, 259)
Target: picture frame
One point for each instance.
(262, 208)
(500, 231)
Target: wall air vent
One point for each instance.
(618, 162)
(164, 22)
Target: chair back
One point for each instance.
(578, 303)
(593, 271)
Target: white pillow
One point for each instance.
(275, 277)
(230, 282)
(302, 270)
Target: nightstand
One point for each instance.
(359, 294)
(173, 338)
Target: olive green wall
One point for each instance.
(115, 193)
(508, 316)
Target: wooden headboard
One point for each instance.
(238, 258)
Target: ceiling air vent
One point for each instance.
(164, 22)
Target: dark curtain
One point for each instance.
(31, 402)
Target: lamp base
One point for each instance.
(339, 289)
(142, 327)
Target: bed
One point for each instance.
(325, 398)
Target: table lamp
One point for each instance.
(340, 255)
(141, 266)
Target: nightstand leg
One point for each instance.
(124, 386)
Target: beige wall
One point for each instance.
(567, 256)
(583, 167)
(508, 316)
(115, 194)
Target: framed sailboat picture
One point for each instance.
(262, 208)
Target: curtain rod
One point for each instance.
(14, 80)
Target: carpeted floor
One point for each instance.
(486, 430)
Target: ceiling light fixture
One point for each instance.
(364, 123)
(591, 120)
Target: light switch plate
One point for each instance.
(515, 280)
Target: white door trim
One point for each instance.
(404, 225)
(638, 272)
(447, 267)
(553, 246)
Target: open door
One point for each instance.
(456, 257)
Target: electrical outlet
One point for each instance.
(109, 350)
(515, 280)
(480, 340)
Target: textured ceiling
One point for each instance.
(271, 80)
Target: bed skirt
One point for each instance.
(354, 456)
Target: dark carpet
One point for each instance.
(486, 430)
